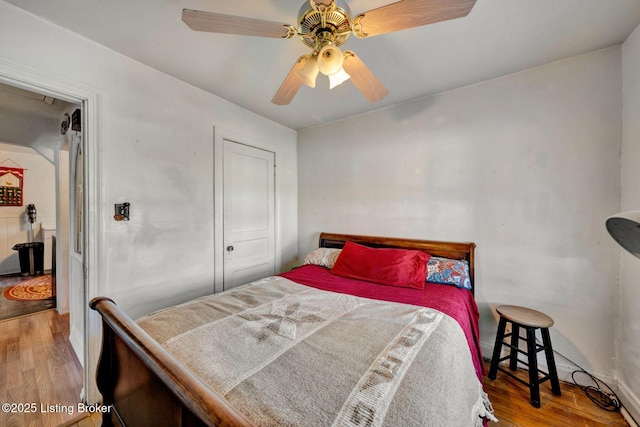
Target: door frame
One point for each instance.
(91, 100)
(219, 135)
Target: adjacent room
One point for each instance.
(219, 140)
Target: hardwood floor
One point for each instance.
(93, 420)
(510, 401)
(38, 368)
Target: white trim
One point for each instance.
(36, 80)
(565, 370)
(218, 214)
(631, 404)
(77, 341)
(94, 238)
(628, 418)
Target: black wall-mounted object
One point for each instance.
(122, 212)
(76, 122)
(31, 213)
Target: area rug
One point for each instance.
(33, 289)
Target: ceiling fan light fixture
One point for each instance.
(323, 26)
(338, 78)
(330, 60)
(309, 72)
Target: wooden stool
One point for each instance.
(530, 320)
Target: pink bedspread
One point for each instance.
(455, 302)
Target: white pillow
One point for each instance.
(324, 257)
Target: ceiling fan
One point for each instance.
(324, 25)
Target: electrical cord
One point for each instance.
(599, 393)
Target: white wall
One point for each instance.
(26, 129)
(39, 189)
(157, 154)
(526, 166)
(629, 336)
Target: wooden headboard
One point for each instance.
(453, 250)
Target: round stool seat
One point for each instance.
(525, 316)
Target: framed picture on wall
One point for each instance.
(11, 181)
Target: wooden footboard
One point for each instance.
(145, 386)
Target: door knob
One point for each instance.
(230, 248)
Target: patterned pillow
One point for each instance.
(324, 257)
(448, 272)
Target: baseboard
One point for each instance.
(631, 404)
(565, 371)
(77, 343)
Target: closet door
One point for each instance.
(249, 213)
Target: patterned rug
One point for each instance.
(33, 289)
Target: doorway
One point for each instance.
(84, 329)
(35, 210)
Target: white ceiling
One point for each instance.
(26, 103)
(498, 37)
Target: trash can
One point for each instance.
(31, 258)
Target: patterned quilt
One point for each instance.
(286, 354)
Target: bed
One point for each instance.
(312, 346)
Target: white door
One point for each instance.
(249, 213)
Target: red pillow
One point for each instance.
(396, 267)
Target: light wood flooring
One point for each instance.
(39, 367)
(93, 420)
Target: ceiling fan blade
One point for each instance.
(228, 24)
(363, 78)
(291, 83)
(409, 14)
